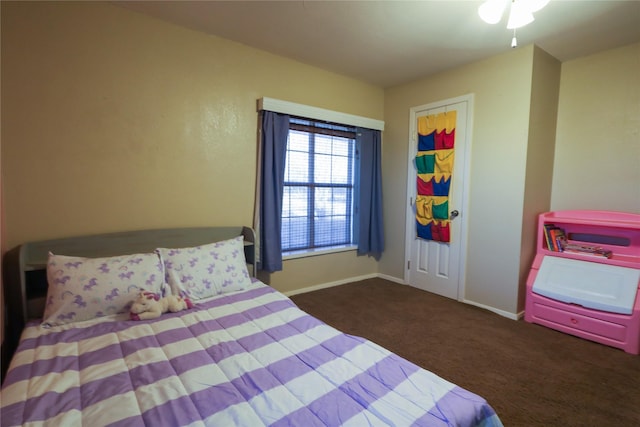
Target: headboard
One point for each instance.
(24, 267)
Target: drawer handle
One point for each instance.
(574, 321)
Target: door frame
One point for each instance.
(411, 187)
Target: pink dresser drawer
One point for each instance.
(579, 322)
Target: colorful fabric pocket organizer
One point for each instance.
(429, 208)
(443, 140)
(433, 187)
(427, 142)
(444, 161)
(425, 188)
(434, 231)
(424, 211)
(441, 210)
(437, 123)
(434, 163)
(426, 163)
(437, 132)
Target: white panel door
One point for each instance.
(430, 265)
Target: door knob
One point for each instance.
(454, 214)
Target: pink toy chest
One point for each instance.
(617, 232)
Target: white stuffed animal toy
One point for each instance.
(149, 305)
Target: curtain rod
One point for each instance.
(286, 107)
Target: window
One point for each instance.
(317, 206)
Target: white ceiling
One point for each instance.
(387, 43)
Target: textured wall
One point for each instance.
(114, 121)
(499, 135)
(597, 154)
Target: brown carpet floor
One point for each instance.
(531, 375)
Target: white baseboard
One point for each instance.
(392, 279)
(330, 284)
(502, 313)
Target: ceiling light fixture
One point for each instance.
(520, 13)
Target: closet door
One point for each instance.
(436, 224)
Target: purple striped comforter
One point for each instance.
(250, 358)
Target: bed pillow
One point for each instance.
(86, 288)
(207, 270)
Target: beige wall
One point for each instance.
(546, 136)
(597, 159)
(540, 150)
(501, 87)
(114, 121)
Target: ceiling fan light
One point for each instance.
(491, 11)
(519, 15)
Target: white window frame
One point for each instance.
(286, 107)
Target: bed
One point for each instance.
(243, 355)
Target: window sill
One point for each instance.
(315, 252)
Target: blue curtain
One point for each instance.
(275, 131)
(368, 224)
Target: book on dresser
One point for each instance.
(548, 230)
(558, 239)
(555, 237)
(587, 250)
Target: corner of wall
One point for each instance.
(543, 113)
